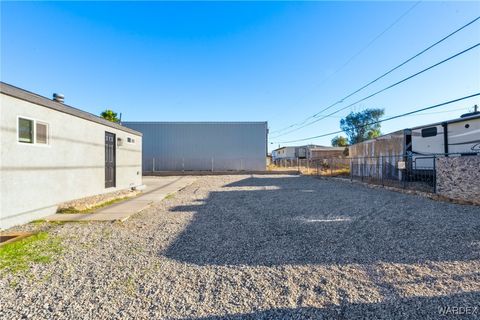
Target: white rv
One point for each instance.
(414, 150)
(455, 137)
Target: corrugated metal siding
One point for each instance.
(392, 144)
(176, 146)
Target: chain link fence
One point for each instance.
(416, 172)
(212, 164)
(326, 166)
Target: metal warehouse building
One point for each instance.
(203, 146)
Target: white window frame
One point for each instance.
(34, 143)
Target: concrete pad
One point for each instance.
(157, 188)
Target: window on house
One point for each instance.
(32, 131)
(41, 133)
(130, 140)
(25, 130)
(429, 132)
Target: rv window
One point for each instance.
(429, 132)
(25, 130)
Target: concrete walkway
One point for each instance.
(157, 188)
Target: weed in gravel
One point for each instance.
(130, 286)
(13, 283)
(107, 233)
(40, 221)
(38, 248)
(91, 209)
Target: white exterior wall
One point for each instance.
(428, 145)
(286, 153)
(35, 178)
(464, 136)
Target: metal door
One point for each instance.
(110, 161)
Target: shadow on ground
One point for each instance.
(424, 308)
(268, 221)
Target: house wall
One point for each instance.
(286, 153)
(458, 178)
(203, 146)
(36, 178)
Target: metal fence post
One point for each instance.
(363, 165)
(351, 169)
(381, 168)
(153, 165)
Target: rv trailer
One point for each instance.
(411, 152)
(462, 137)
(459, 136)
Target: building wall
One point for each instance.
(221, 146)
(36, 178)
(392, 144)
(286, 153)
(325, 153)
(458, 178)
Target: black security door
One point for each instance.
(110, 163)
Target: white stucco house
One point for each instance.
(52, 153)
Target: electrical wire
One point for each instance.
(382, 90)
(381, 76)
(387, 119)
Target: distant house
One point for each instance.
(310, 151)
(284, 153)
(52, 153)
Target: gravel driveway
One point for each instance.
(262, 247)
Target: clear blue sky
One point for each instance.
(245, 61)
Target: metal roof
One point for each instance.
(329, 149)
(310, 146)
(28, 96)
(194, 122)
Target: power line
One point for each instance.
(382, 90)
(427, 113)
(382, 76)
(437, 112)
(359, 52)
(387, 119)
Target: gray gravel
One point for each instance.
(261, 247)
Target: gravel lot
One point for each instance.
(262, 247)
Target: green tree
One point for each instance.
(361, 126)
(339, 141)
(110, 115)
